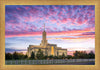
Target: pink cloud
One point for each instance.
(64, 21)
(18, 8)
(26, 8)
(25, 34)
(62, 33)
(58, 23)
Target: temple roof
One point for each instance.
(51, 44)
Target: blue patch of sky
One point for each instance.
(78, 27)
(21, 42)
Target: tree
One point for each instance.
(25, 56)
(83, 55)
(51, 57)
(69, 57)
(32, 55)
(60, 57)
(15, 55)
(76, 54)
(40, 54)
(91, 55)
(46, 56)
(21, 55)
(57, 53)
(8, 56)
(55, 57)
(63, 56)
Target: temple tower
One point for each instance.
(44, 41)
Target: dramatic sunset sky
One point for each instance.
(69, 26)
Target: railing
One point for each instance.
(41, 62)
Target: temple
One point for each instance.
(47, 48)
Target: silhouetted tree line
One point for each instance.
(82, 55)
(15, 56)
(39, 55)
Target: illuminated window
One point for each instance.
(52, 50)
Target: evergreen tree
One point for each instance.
(63, 55)
(57, 53)
(40, 54)
(32, 55)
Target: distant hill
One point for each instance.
(13, 50)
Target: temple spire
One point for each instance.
(44, 41)
(44, 26)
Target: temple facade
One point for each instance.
(47, 48)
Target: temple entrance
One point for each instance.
(52, 50)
